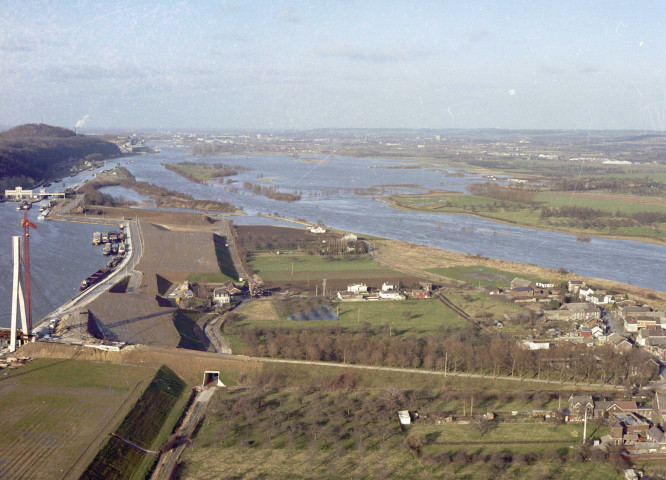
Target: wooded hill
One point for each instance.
(36, 152)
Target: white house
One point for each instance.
(221, 296)
(317, 229)
(574, 286)
(391, 295)
(358, 288)
(585, 292)
(388, 286)
(597, 331)
(535, 346)
(404, 417)
(600, 299)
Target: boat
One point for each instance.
(114, 248)
(121, 236)
(113, 236)
(97, 238)
(107, 249)
(114, 262)
(105, 237)
(94, 278)
(121, 248)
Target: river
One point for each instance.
(61, 253)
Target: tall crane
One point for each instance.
(26, 224)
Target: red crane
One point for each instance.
(26, 224)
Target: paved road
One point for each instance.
(212, 331)
(167, 462)
(612, 323)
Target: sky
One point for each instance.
(228, 65)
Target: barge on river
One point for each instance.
(98, 276)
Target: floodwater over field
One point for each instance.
(338, 191)
(341, 192)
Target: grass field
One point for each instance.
(515, 213)
(200, 173)
(504, 434)
(302, 272)
(482, 306)
(404, 318)
(478, 275)
(56, 414)
(277, 267)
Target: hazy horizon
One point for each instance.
(307, 65)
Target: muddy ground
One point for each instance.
(174, 255)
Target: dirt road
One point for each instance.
(167, 461)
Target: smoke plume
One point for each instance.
(82, 122)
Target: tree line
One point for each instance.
(603, 218)
(458, 350)
(635, 185)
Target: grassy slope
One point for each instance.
(189, 331)
(142, 426)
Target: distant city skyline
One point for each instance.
(234, 65)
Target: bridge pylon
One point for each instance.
(18, 299)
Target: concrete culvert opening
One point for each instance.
(212, 378)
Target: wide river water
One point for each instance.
(334, 191)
